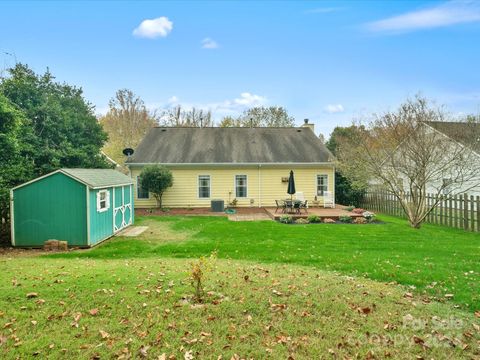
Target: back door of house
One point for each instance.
(122, 210)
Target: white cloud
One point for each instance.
(153, 28)
(446, 14)
(173, 100)
(209, 43)
(248, 99)
(334, 108)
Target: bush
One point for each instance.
(286, 219)
(369, 216)
(360, 220)
(198, 270)
(345, 219)
(301, 221)
(314, 219)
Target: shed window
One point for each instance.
(103, 200)
(322, 184)
(141, 192)
(204, 186)
(241, 186)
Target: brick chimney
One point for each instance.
(309, 125)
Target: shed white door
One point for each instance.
(122, 209)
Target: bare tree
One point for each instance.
(273, 116)
(179, 117)
(404, 152)
(126, 122)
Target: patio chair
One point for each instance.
(299, 196)
(328, 200)
(297, 205)
(304, 206)
(280, 205)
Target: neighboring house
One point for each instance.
(250, 165)
(467, 135)
(463, 138)
(80, 206)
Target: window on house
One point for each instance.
(204, 186)
(103, 200)
(322, 184)
(241, 186)
(141, 192)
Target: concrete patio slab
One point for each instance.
(132, 231)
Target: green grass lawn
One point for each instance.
(276, 291)
(434, 260)
(141, 308)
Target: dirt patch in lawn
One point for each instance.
(161, 231)
(196, 212)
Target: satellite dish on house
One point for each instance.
(127, 151)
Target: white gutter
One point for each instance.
(237, 164)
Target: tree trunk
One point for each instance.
(415, 224)
(158, 197)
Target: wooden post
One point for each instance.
(472, 213)
(465, 211)
(450, 214)
(478, 213)
(441, 210)
(455, 206)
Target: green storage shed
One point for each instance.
(80, 206)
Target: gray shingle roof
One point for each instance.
(165, 145)
(99, 177)
(466, 133)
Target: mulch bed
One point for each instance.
(195, 211)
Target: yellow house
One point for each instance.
(250, 165)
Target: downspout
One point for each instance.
(259, 186)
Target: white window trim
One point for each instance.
(107, 200)
(316, 183)
(209, 187)
(235, 186)
(141, 198)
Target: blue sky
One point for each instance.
(331, 62)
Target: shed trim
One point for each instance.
(12, 220)
(47, 175)
(87, 191)
(70, 176)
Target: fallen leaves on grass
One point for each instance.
(32, 295)
(104, 334)
(93, 312)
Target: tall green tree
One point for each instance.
(14, 168)
(345, 192)
(260, 116)
(60, 129)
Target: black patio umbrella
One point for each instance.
(291, 185)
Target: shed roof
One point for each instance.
(170, 145)
(94, 178)
(99, 177)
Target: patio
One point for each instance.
(332, 213)
(252, 213)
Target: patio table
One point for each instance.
(289, 205)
